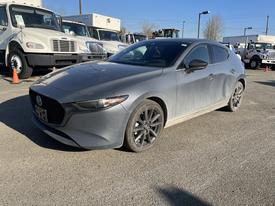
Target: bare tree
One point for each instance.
(213, 29)
(123, 30)
(148, 29)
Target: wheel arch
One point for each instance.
(162, 105)
(12, 44)
(243, 82)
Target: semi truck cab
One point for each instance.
(95, 50)
(30, 37)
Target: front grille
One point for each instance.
(63, 46)
(271, 55)
(55, 111)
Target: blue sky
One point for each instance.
(236, 14)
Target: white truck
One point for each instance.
(104, 28)
(132, 38)
(255, 50)
(80, 31)
(30, 37)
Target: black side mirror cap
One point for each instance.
(197, 64)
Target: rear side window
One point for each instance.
(3, 17)
(219, 54)
(199, 53)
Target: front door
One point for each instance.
(194, 88)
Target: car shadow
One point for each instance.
(178, 197)
(17, 114)
(267, 83)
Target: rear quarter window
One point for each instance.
(220, 54)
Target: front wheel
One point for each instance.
(254, 63)
(144, 127)
(22, 68)
(236, 98)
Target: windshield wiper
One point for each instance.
(42, 26)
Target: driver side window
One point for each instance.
(198, 53)
(3, 17)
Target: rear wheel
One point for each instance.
(18, 58)
(144, 127)
(236, 98)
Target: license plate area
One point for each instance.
(41, 113)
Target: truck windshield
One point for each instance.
(33, 17)
(78, 29)
(139, 37)
(263, 46)
(108, 35)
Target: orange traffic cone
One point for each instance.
(15, 78)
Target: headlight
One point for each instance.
(33, 45)
(95, 47)
(95, 105)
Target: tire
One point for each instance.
(236, 98)
(254, 63)
(17, 56)
(143, 130)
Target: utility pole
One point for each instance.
(267, 25)
(183, 28)
(80, 7)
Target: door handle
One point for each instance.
(211, 77)
(233, 71)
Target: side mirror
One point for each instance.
(72, 33)
(21, 25)
(197, 64)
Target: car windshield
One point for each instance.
(151, 53)
(263, 46)
(108, 35)
(77, 29)
(33, 17)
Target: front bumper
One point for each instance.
(53, 60)
(93, 57)
(268, 61)
(92, 130)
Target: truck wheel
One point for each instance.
(22, 68)
(254, 64)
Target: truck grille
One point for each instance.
(55, 111)
(64, 46)
(271, 55)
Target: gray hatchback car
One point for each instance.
(130, 98)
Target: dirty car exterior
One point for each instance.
(130, 98)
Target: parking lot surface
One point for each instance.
(220, 158)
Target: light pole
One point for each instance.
(199, 22)
(183, 28)
(246, 28)
(80, 7)
(244, 34)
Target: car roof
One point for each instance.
(188, 41)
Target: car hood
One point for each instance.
(95, 79)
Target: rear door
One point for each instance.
(223, 71)
(194, 88)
